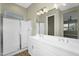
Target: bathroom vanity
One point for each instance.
(61, 34)
(45, 45)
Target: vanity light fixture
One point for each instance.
(45, 10)
(38, 13)
(42, 11)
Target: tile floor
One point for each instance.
(24, 53)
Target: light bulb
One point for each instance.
(55, 6)
(45, 10)
(41, 12)
(38, 13)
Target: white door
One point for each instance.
(11, 38)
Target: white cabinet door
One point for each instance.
(11, 38)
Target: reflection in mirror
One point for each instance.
(56, 22)
(51, 25)
(70, 24)
(40, 25)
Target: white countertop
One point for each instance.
(68, 44)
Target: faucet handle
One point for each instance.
(67, 41)
(61, 40)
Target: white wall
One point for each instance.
(14, 8)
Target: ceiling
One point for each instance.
(25, 5)
(68, 5)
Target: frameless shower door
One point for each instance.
(25, 33)
(11, 39)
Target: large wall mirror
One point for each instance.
(56, 22)
(71, 24)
